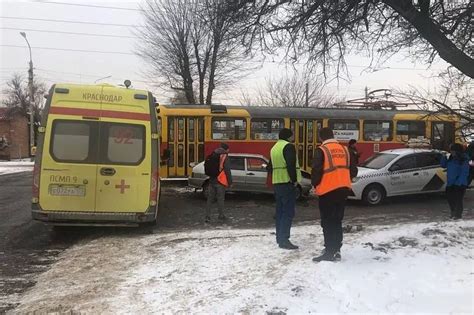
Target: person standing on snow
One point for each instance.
(286, 174)
(217, 166)
(331, 176)
(458, 173)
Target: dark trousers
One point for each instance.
(331, 208)
(285, 196)
(216, 192)
(455, 195)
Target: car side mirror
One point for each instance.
(192, 164)
(263, 166)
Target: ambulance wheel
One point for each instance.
(373, 194)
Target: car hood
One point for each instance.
(365, 171)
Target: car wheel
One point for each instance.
(205, 189)
(373, 194)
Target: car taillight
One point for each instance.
(36, 183)
(155, 184)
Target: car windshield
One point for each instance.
(378, 160)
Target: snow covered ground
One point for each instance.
(423, 268)
(16, 166)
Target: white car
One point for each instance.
(248, 173)
(398, 172)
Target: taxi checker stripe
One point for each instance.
(98, 113)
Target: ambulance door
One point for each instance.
(69, 159)
(125, 169)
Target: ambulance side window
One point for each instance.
(125, 143)
(70, 141)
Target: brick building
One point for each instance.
(14, 135)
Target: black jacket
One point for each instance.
(318, 166)
(289, 153)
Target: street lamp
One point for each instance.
(32, 96)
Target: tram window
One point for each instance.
(171, 129)
(191, 153)
(180, 155)
(310, 155)
(310, 132)
(171, 159)
(319, 126)
(411, 129)
(345, 130)
(229, 128)
(378, 130)
(180, 129)
(201, 130)
(266, 129)
(300, 131)
(191, 130)
(201, 152)
(292, 127)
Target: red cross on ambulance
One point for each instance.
(122, 186)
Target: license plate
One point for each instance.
(63, 190)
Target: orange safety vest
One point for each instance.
(336, 169)
(222, 177)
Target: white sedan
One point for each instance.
(398, 172)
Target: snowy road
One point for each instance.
(424, 267)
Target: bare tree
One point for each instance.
(326, 31)
(453, 98)
(300, 89)
(193, 45)
(17, 96)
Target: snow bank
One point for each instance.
(15, 166)
(405, 268)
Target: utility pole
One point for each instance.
(32, 95)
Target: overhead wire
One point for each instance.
(66, 21)
(85, 5)
(69, 49)
(62, 32)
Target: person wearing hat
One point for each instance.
(216, 187)
(285, 177)
(331, 174)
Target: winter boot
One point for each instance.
(326, 256)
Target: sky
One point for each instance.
(104, 52)
(416, 268)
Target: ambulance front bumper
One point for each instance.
(93, 218)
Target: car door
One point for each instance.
(237, 166)
(256, 179)
(404, 175)
(432, 175)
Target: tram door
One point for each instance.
(442, 135)
(185, 144)
(305, 139)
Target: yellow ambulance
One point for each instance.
(97, 159)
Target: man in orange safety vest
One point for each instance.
(331, 176)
